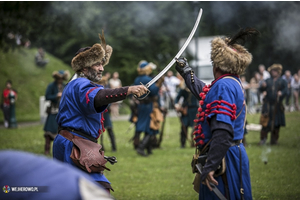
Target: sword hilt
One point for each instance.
(181, 64)
(144, 95)
(111, 159)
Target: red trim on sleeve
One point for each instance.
(87, 94)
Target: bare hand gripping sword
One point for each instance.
(173, 60)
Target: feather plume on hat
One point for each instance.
(229, 55)
(88, 56)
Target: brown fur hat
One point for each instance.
(277, 67)
(65, 75)
(87, 57)
(232, 59)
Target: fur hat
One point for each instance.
(88, 56)
(277, 67)
(65, 75)
(145, 68)
(232, 59)
(230, 56)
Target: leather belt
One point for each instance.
(236, 142)
(60, 129)
(66, 134)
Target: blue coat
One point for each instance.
(145, 109)
(52, 179)
(77, 111)
(224, 99)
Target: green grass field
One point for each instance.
(167, 173)
(29, 80)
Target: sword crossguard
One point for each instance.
(144, 95)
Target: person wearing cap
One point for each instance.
(83, 103)
(53, 94)
(145, 108)
(276, 90)
(219, 124)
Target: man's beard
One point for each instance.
(93, 75)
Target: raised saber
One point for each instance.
(174, 59)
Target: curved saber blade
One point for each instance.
(178, 54)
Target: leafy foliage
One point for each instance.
(29, 80)
(151, 30)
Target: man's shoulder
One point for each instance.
(78, 82)
(143, 78)
(228, 83)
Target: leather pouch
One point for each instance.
(264, 120)
(88, 155)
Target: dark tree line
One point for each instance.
(151, 30)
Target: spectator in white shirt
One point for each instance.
(170, 85)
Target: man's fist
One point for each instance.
(182, 66)
(138, 90)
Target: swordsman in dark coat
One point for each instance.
(53, 94)
(188, 110)
(221, 119)
(273, 108)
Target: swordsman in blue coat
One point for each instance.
(83, 103)
(219, 125)
(145, 108)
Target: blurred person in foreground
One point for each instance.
(273, 109)
(220, 120)
(48, 178)
(53, 94)
(80, 116)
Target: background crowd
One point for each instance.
(254, 97)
